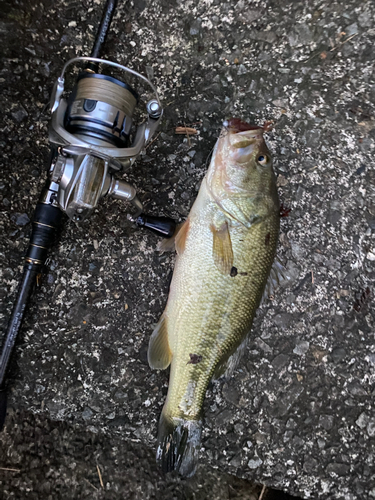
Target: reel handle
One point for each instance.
(162, 226)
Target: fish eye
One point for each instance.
(263, 160)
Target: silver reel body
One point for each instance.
(90, 134)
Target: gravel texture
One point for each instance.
(47, 460)
(298, 414)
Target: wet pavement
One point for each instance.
(298, 414)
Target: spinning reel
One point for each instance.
(90, 134)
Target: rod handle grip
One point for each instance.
(162, 226)
(46, 223)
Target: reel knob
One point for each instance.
(154, 109)
(162, 226)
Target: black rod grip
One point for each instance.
(46, 223)
(162, 226)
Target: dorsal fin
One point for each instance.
(277, 275)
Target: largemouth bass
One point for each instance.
(225, 251)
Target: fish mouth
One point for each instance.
(243, 138)
(236, 125)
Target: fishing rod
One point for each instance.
(92, 138)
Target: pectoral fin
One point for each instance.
(159, 354)
(222, 248)
(177, 241)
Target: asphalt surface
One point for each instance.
(298, 413)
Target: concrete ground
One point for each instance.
(298, 414)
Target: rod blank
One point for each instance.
(102, 32)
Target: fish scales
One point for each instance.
(226, 249)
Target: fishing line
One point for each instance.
(106, 91)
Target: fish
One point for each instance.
(225, 254)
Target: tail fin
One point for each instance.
(178, 444)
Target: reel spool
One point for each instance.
(97, 117)
(100, 110)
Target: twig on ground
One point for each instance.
(153, 140)
(342, 43)
(323, 54)
(262, 492)
(188, 136)
(87, 481)
(100, 476)
(185, 131)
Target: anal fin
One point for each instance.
(229, 365)
(222, 248)
(235, 358)
(159, 354)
